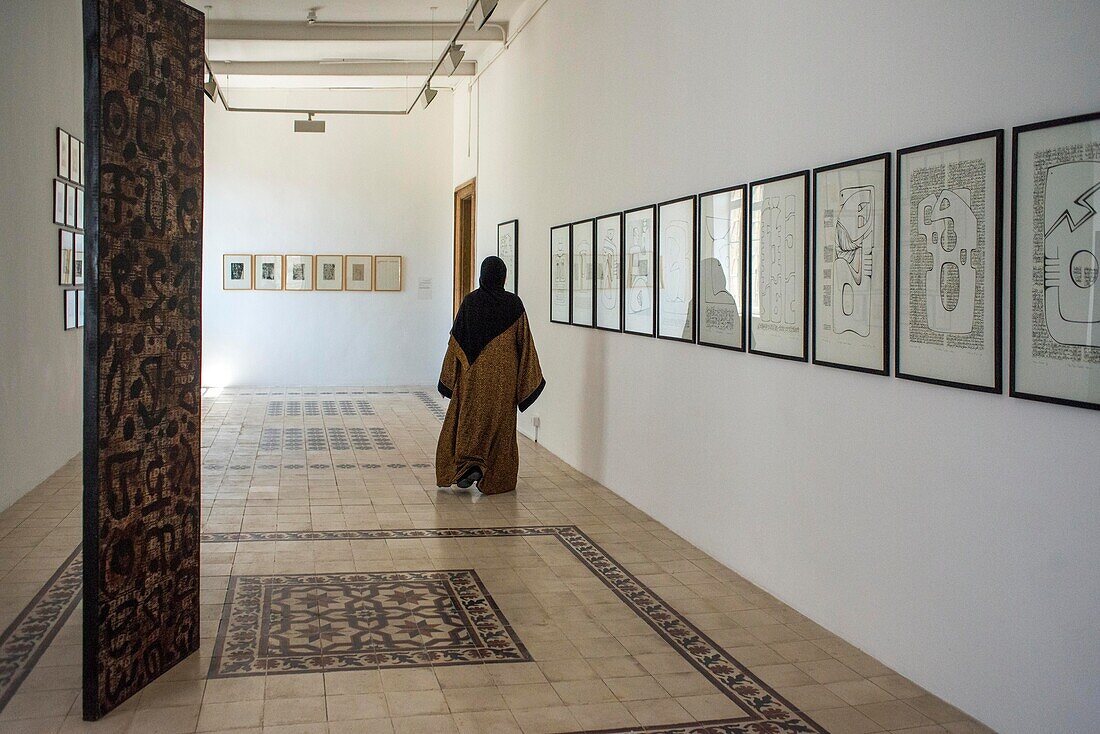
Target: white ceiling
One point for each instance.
(347, 10)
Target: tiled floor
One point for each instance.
(342, 592)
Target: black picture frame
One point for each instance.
(887, 261)
(64, 153)
(691, 248)
(513, 266)
(60, 201)
(66, 256)
(595, 313)
(569, 274)
(805, 356)
(1013, 234)
(592, 264)
(744, 189)
(69, 310)
(998, 231)
(652, 208)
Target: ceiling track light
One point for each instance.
(453, 58)
(485, 9)
(210, 88)
(429, 95)
(309, 126)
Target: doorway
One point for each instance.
(465, 230)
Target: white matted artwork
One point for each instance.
(80, 309)
(508, 251)
(330, 272)
(59, 190)
(74, 160)
(298, 273)
(1056, 262)
(359, 272)
(609, 269)
(70, 206)
(236, 272)
(948, 265)
(63, 153)
(559, 274)
(80, 208)
(778, 254)
(268, 272)
(676, 269)
(70, 310)
(720, 293)
(387, 273)
(78, 259)
(852, 264)
(65, 257)
(581, 294)
(638, 270)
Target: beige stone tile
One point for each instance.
(294, 710)
(855, 692)
(415, 703)
(894, 715)
(343, 707)
(234, 715)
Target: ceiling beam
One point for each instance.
(239, 30)
(314, 68)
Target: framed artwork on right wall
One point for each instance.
(508, 251)
(559, 274)
(1055, 283)
(720, 293)
(609, 268)
(581, 294)
(639, 271)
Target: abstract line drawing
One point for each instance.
(583, 275)
(719, 230)
(607, 269)
(1071, 253)
(559, 274)
(639, 256)
(778, 265)
(950, 230)
(853, 268)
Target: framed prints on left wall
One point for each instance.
(559, 274)
(720, 292)
(638, 270)
(581, 293)
(609, 270)
(236, 272)
(508, 251)
(676, 269)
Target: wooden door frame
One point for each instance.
(467, 190)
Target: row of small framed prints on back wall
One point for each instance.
(684, 269)
(312, 272)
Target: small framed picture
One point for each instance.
(65, 252)
(559, 274)
(80, 167)
(63, 153)
(70, 206)
(236, 272)
(676, 269)
(508, 251)
(78, 258)
(778, 257)
(80, 208)
(609, 272)
(581, 293)
(59, 190)
(359, 272)
(298, 273)
(268, 272)
(74, 160)
(721, 283)
(330, 272)
(70, 309)
(639, 282)
(80, 309)
(387, 272)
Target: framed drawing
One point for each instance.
(59, 190)
(268, 270)
(508, 251)
(609, 272)
(78, 259)
(581, 293)
(298, 272)
(779, 234)
(387, 273)
(330, 272)
(74, 160)
(720, 286)
(63, 153)
(70, 206)
(80, 309)
(70, 310)
(852, 264)
(80, 208)
(80, 165)
(559, 274)
(358, 272)
(236, 272)
(948, 270)
(676, 269)
(639, 283)
(65, 257)
(1055, 301)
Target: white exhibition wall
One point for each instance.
(951, 534)
(375, 185)
(41, 367)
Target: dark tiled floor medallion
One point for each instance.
(328, 622)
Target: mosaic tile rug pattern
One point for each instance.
(323, 533)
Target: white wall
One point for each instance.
(951, 534)
(41, 89)
(378, 185)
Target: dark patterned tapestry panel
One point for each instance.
(143, 117)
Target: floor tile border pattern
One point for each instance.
(30, 633)
(766, 711)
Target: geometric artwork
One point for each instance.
(142, 447)
(359, 270)
(65, 249)
(778, 255)
(387, 272)
(508, 251)
(609, 266)
(1056, 261)
(559, 274)
(851, 264)
(236, 272)
(721, 283)
(949, 262)
(581, 293)
(403, 619)
(676, 269)
(330, 272)
(268, 272)
(639, 283)
(298, 272)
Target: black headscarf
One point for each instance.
(487, 312)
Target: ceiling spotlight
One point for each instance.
(453, 58)
(309, 126)
(429, 95)
(485, 9)
(311, 16)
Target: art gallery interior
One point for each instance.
(814, 295)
